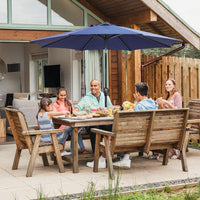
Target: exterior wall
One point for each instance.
(12, 53)
(64, 58)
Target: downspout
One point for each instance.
(159, 58)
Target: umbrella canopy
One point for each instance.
(106, 36)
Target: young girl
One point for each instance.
(64, 104)
(44, 119)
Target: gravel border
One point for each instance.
(130, 189)
(193, 147)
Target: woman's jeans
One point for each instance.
(68, 130)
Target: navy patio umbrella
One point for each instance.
(106, 36)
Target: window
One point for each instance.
(92, 20)
(3, 11)
(66, 12)
(57, 14)
(29, 12)
(93, 68)
(37, 72)
(40, 76)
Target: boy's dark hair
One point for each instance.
(142, 88)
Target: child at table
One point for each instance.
(44, 120)
(64, 104)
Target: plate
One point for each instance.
(79, 113)
(60, 116)
(81, 117)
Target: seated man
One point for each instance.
(143, 103)
(93, 100)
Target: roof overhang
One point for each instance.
(150, 15)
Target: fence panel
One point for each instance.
(185, 71)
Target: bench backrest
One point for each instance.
(143, 129)
(194, 106)
(169, 126)
(131, 128)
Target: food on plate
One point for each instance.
(95, 115)
(110, 111)
(127, 105)
(102, 112)
(115, 108)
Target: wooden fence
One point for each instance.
(185, 71)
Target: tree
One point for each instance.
(189, 51)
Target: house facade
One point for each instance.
(22, 63)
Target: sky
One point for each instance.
(188, 10)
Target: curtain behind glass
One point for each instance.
(93, 68)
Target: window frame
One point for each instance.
(49, 25)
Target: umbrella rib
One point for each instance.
(56, 41)
(154, 41)
(124, 43)
(113, 36)
(88, 42)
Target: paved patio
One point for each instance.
(15, 185)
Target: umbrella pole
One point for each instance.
(106, 90)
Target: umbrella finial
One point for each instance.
(106, 24)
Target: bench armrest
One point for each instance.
(193, 121)
(40, 132)
(102, 132)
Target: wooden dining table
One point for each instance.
(77, 125)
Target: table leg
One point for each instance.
(75, 150)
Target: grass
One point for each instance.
(151, 195)
(40, 194)
(194, 144)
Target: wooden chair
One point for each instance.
(194, 120)
(142, 131)
(23, 136)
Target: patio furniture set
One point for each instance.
(132, 131)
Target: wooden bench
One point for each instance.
(142, 131)
(194, 120)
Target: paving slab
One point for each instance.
(15, 185)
